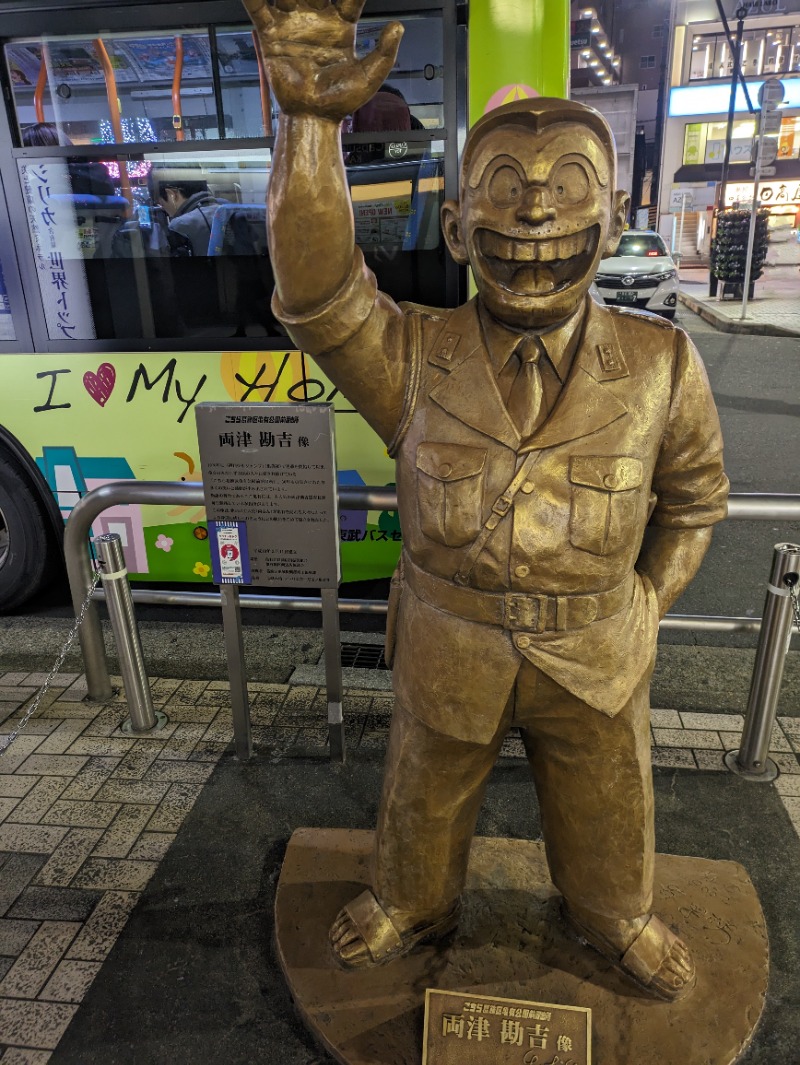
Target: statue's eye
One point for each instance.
(505, 187)
(571, 184)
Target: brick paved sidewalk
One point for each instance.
(87, 811)
(774, 310)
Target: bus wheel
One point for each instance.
(24, 546)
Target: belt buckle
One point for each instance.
(502, 505)
(525, 611)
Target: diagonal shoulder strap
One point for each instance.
(500, 508)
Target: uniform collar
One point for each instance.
(560, 341)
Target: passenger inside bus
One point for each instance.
(191, 209)
(173, 244)
(86, 177)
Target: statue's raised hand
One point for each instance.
(309, 52)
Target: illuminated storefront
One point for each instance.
(696, 123)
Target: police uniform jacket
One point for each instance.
(633, 437)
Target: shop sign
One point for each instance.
(681, 199)
(580, 33)
(765, 7)
(269, 477)
(789, 141)
(769, 192)
(693, 143)
(741, 150)
(693, 100)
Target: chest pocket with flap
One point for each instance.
(450, 492)
(606, 492)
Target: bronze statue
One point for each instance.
(559, 469)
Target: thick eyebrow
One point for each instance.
(590, 152)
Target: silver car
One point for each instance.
(641, 274)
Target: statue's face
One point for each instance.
(537, 215)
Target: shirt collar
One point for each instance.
(502, 341)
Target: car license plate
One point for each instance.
(626, 296)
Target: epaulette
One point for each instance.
(642, 315)
(432, 314)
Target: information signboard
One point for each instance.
(270, 485)
(465, 1029)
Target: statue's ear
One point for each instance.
(453, 232)
(620, 205)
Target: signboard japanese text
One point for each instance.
(270, 485)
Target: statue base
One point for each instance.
(512, 943)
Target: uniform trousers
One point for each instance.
(594, 785)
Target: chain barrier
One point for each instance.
(791, 581)
(6, 741)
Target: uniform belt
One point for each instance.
(517, 611)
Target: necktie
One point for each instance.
(525, 401)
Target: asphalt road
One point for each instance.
(756, 382)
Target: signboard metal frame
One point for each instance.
(251, 529)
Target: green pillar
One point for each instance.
(516, 46)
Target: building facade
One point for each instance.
(701, 70)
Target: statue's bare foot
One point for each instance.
(365, 934)
(644, 949)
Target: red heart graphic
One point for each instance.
(100, 385)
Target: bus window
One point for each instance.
(173, 245)
(417, 75)
(117, 88)
(249, 108)
(6, 324)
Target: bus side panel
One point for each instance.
(90, 419)
(517, 49)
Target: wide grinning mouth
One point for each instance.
(538, 266)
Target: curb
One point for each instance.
(728, 325)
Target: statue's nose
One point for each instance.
(536, 207)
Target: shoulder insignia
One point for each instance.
(444, 348)
(421, 311)
(642, 316)
(442, 352)
(612, 363)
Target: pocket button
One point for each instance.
(445, 469)
(610, 481)
(523, 642)
(521, 571)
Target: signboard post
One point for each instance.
(269, 476)
(770, 95)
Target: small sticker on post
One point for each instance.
(230, 561)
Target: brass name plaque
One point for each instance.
(478, 1030)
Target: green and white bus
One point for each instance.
(135, 150)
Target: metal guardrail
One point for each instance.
(741, 506)
(168, 493)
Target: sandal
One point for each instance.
(644, 962)
(380, 936)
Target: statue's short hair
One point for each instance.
(536, 114)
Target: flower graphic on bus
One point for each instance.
(164, 543)
(201, 569)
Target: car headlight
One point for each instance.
(667, 275)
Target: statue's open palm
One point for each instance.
(309, 51)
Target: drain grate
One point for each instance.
(363, 656)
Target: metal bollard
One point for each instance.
(126, 634)
(751, 760)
